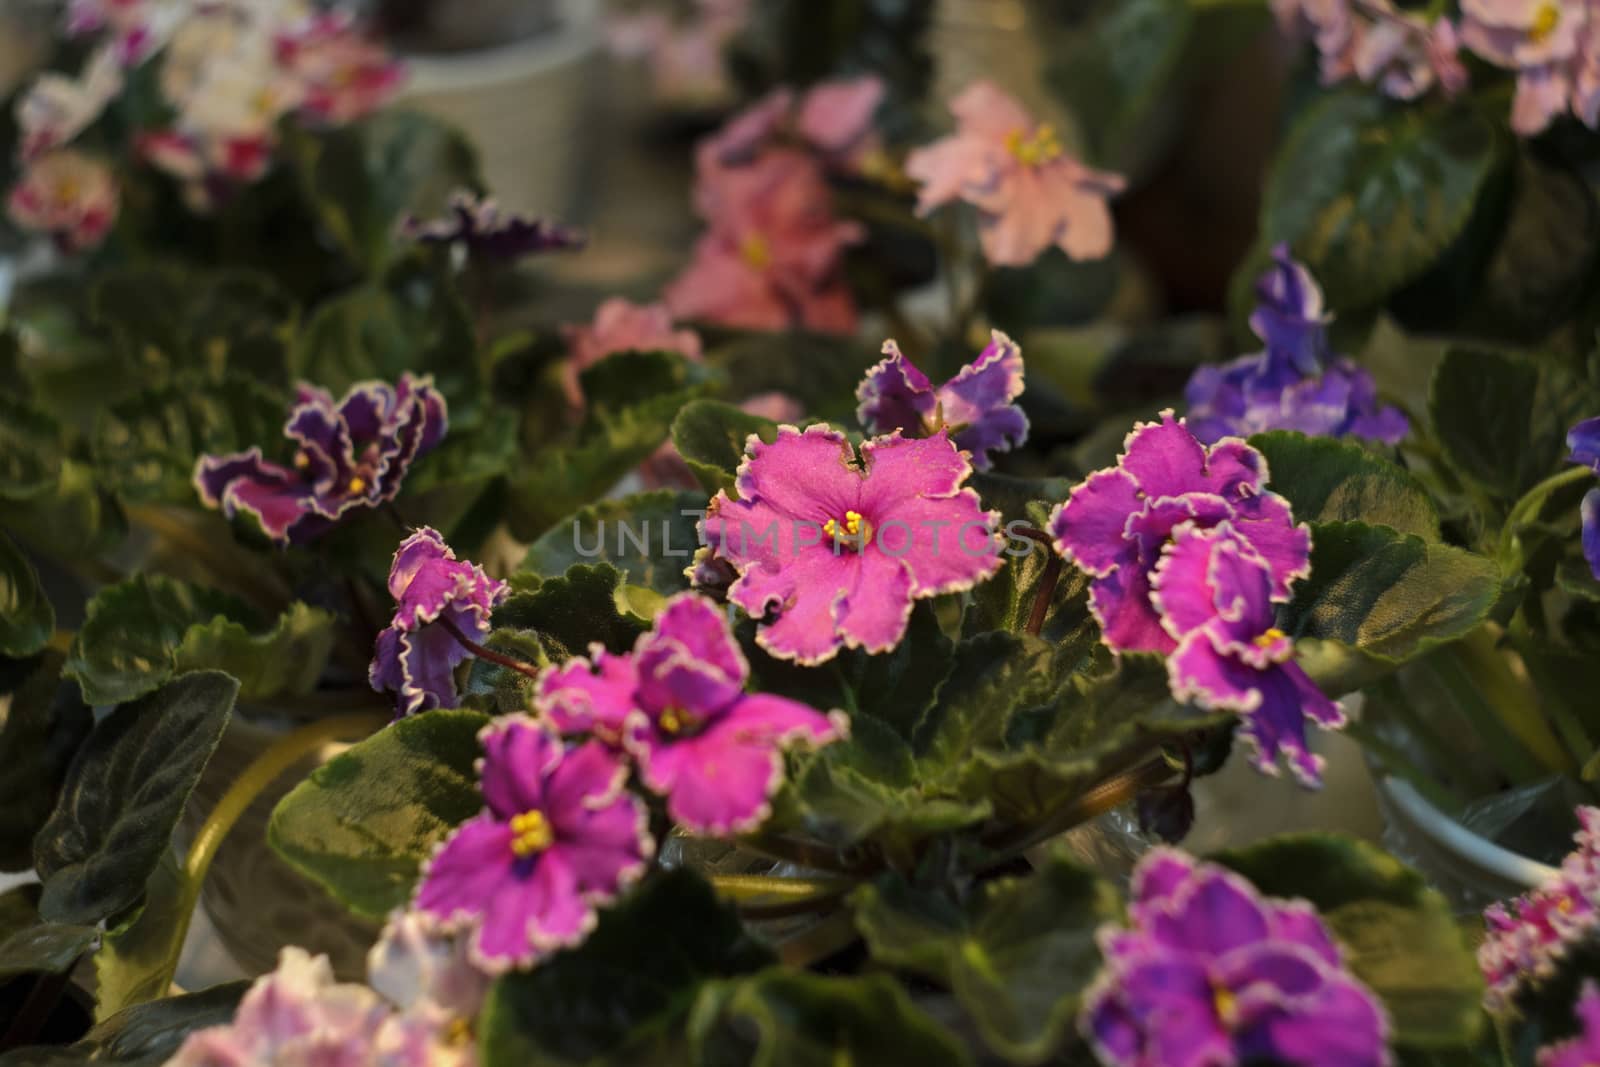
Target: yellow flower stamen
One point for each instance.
(1545, 21)
(358, 484)
(1269, 638)
(1225, 1004)
(533, 833)
(1042, 147)
(301, 460)
(853, 530)
(756, 252)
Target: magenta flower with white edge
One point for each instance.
(833, 548)
(677, 705)
(978, 405)
(1029, 193)
(436, 597)
(487, 232)
(70, 196)
(558, 837)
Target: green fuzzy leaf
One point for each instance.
(1327, 480)
(363, 823)
(76, 517)
(711, 438)
(1369, 193)
(651, 537)
(144, 1036)
(29, 945)
(136, 964)
(1399, 936)
(146, 446)
(1502, 420)
(30, 450)
(122, 797)
(607, 1002)
(142, 631)
(819, 371)
(584, 605)
(1389, 595)
(793, 1019)
(44, 728)
(27, 620)
(364, 177)
(993, 675)
(1017, 956)
(289, 658)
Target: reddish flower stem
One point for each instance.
(525, 669)
(1047, 584)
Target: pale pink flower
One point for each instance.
(1406, 55)
(1551, 44)
(71, 196)
(622, 326)
(832, 119)
(56, 108)
(1332, 25)
(684, 55)
(424, 973)
(1029, 193)
(341, 74)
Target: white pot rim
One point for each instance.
(1451, 836)
(448, 72)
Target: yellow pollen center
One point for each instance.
(302, 460)
(1565, 905)
(1545, 21)
(1042, 147)
(1269, 638)
(357, 484)
(1226, 1007)
(850, 528)
(68, 190)
(756, 252)
(531, 833)
(459, 1032)
(676, 721)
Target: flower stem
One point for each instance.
(1530, 505)
(489, 654)
(1111, 793)
(1045, 593)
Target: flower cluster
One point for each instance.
(1030, 194)
(1211, 972)
(684, 54)
(978, 405)
(298, 1014)
(70, 196)
(772, 255)
(487, 233)
(831, 550)
(1188, 555)
(1528, 937)
(1294, 383)
(1405, 54)
(560, 833)
(349, 455)
(1583, 440)
(438, 600)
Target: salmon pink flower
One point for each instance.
(1115, 524)
(1584, 1049)
(1213, 592)
(1029, 193)
(622, 326)
(978, 404)
(832, 118)
(350, 455)
(833, 549)
(677, 704)
(436, 598)
(558, 836)
(1212, 973)
(487, 232)
(68, 195)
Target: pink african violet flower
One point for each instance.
(342, 74)
(772, 256)
(350, 455)
(56, 108)
(833, 118)
(665, 468)
(1115, 524)
(978, 404)
(1029, 193)
(558, 836)
(1209, 973)
(1528, 937)
(1213, 592)
(677, 705)
(1406, 54)
(1552, 46)
(1332, 25)
(622, 326)
(832, 549)
(68, 195)
(1584, 1049)
(298, 1016)
(424, 973)
(138, 28)
(417, 654)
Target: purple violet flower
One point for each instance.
(1584, 1049)
(433, 591)
(488, 233)
(1116, 522)
(1294, 384)
(677, 705)
(1212, 974)
(978, 404)
(559, 835)
(352, 455)
(832, 550)
(1527, 937)
(1584, 441)
(1213, 592)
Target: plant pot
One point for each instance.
(1469, 869)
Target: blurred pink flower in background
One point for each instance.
(68, 195)
(622, 326)
(833, 119)
(56, 108)
(1029, 193)
(684, 55)
(341, 73)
